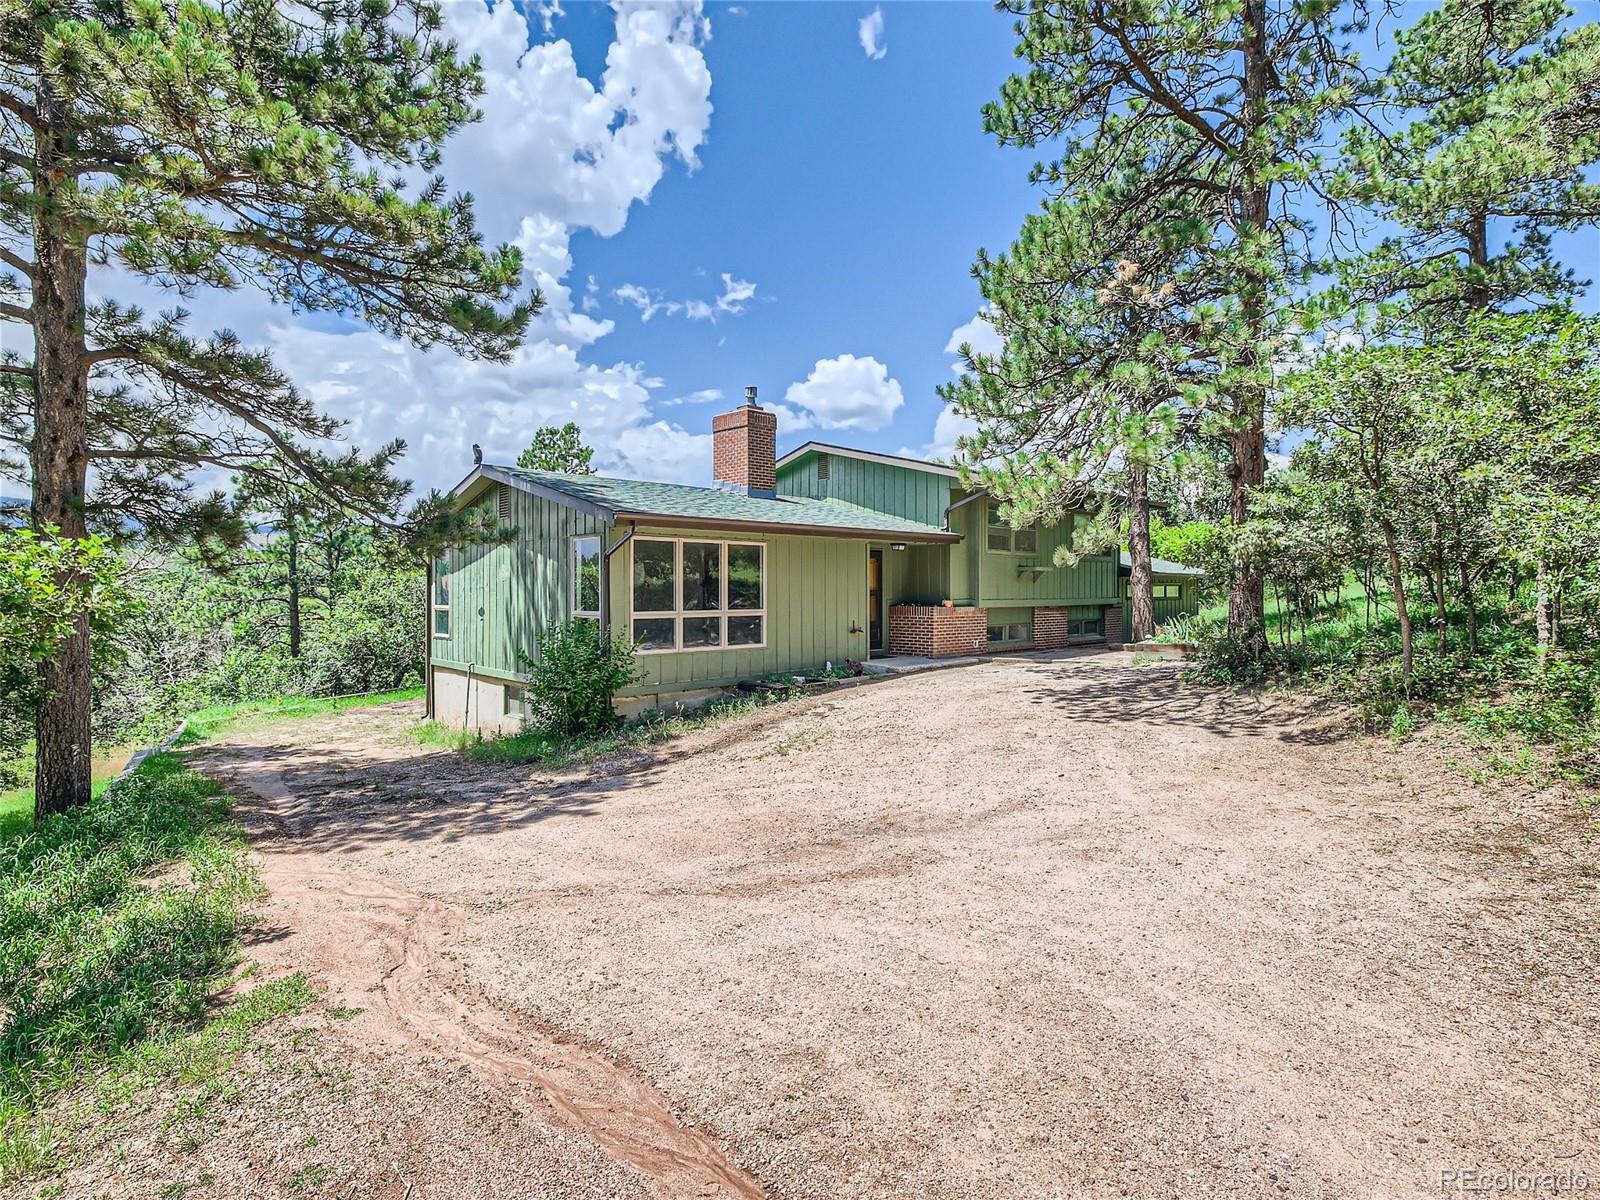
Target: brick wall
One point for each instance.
(1049, 628)
(1113, 624)
(744, 449)
(933, 631)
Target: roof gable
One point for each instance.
(888, 460)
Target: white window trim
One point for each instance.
(678, 614)
(434, 607)
(577, 575)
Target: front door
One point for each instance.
(875, 600)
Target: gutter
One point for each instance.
(959, 504)
(866, 535)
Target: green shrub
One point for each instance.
(574, 681)
(1220, 658)
(116, 920)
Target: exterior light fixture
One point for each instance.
(897, 545)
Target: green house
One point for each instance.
(826, 555)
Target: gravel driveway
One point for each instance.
(1027, 928)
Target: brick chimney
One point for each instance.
(744, 449)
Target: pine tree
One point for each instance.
(1183, 111)
(204, 145)
(1104, 364)
(1491, 162)
(558, 448)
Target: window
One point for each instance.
(695, 595)
(1006, 540)
(441, 596)
(1010, 631)
(1086, 622)
(513, 706)
(586, 577)
(1166, 591)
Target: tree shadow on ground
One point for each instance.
(344, 801)
(1157, 694)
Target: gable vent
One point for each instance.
(504, 501)
(824, 467)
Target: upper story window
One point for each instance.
(1006, 540)
(441, 596)
(690, 594)
(586, 577)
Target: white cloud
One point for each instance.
(703, 396)
(979, 334)
(553, 154)
(735, 294)
(845, 393)
(870, 30)
(947, 427)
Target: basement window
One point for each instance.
(1086, 622)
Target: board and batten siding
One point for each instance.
(903, 491)
(990, 578)
(503, 598)
(816, 592)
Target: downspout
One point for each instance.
(975, 561)
(950, 508)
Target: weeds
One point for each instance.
(1530, 718)
(537, 745)
(208, 723)
(118, 920)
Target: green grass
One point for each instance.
(537, 745)
(1537, 723)
(118, 922)
(208, 723)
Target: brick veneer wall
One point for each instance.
(744, 449)
(1113, 618)
(1049, 628)
(934, 631)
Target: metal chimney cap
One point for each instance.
(750, 396)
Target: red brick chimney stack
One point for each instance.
(744, 449)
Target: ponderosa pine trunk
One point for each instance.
(1247, 589)
(60, 454)
(294, 589)
(1140, 581)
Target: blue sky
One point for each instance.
(709, 197)
(852, 191)
(782, 194)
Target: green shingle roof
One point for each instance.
(683, 504)
(1159, 566)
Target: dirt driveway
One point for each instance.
(1027, 928)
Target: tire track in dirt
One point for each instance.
(365, 937)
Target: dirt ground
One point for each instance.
(1065, 928)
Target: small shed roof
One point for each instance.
(678, 505)
(1158, 566)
